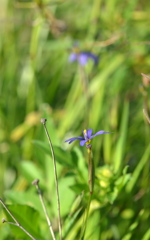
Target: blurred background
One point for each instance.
(37, 80)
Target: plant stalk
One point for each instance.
(36, 183)
(15, 220)
(55, 176)
(91, 177)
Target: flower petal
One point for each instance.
(70, 140)
(98, 133)
(73, 57)
(93, 57)
(82, 58)
(83, 142)
(88, 133)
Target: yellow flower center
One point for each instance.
(88, 142)
(85, 131)
(85, 136)
(76, 50)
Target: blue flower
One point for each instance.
(82, 57)
(87, 137)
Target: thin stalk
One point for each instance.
(146, 115)
(86, 214)
(36, 183)
(91, 178)
(55, 176)
(91, 171)
(15, 220)
(85, 83)
(143, 90)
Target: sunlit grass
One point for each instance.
(38, 81)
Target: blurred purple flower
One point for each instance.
(87, 137)
(83, 57)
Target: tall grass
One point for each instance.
(38, 81)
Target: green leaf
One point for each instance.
(138, 169)
(31, 171)
(78, 188)
(62, 157)
(30, 197)
(66, 196)
(28, 219)
(44, 146)
(125, 169)
(120, 145)
(146, 235)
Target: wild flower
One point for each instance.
(82, 57)
(87, 137)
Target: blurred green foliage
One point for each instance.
(38, 81)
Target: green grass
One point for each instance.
(37, 81)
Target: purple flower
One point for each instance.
(87, 137)
(83, 57)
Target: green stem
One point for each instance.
(36, 183)
(84, 79)
(146, 115)
(15, 220)
(55, 176)
(91, 177)
(85, 218)
(91, 171)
